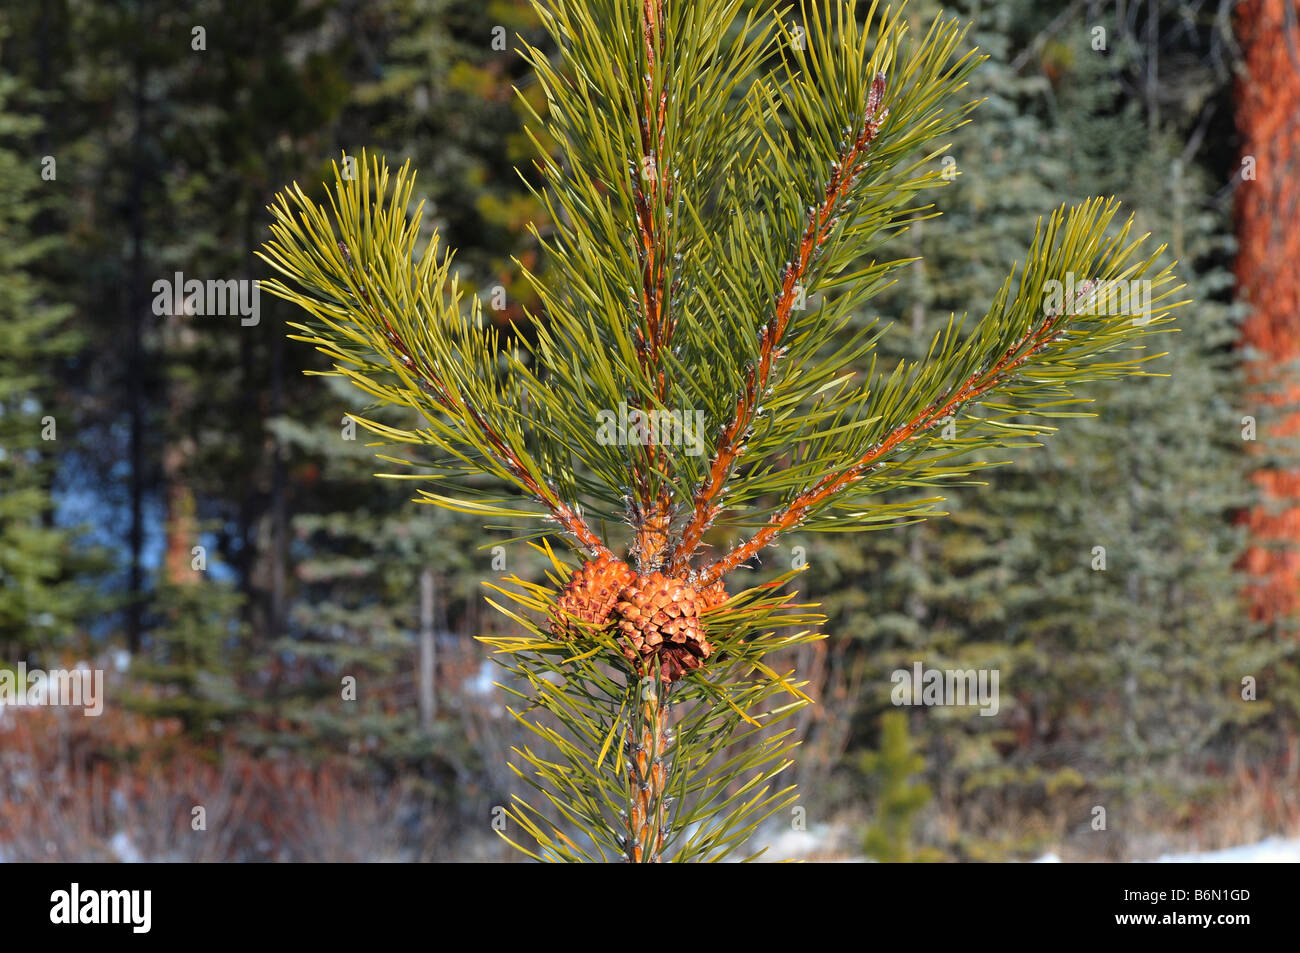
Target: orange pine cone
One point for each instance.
(659, 619)
(713, 596)
(589, 595)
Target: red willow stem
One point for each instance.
(976, 385)
(821, 220)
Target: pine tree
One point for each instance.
(1091, 644)
(42, 597)
(362, 556)
(698, 260)
(210, 485)
(893, 770)
(1267, 97)
(378, 593)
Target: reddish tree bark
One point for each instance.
(1268, 231)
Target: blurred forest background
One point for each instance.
(128, 154)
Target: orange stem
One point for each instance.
(647, 750)
(798, 510)
(821, 220)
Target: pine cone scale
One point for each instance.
(589, 596)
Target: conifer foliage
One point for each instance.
(722, 186)
(41, 594)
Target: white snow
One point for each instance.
(837, 840)
(790, 844)
(124, 849)
(1274, 850)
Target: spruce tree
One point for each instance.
(893, 769)
(359, 581)
(720, 200)
(432, 81)
(438, 89)
(1095, 575)
(42, 598)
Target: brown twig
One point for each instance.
(651, 183)
(975, 386)
(561, 512)
(647, 742)
(821, 220)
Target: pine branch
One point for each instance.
(821, 220)
(1058, 347)
(505, 455)
(678, 773)
(680, 168)
(794, 513)
(361, 306)
(652, 196)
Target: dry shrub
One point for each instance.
(68, 793)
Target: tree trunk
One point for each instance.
(182, 511)
(428, 650)
(1268, 119)
(279, 502)
(135, 368)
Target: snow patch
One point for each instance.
(1275, 850)
(123, 849)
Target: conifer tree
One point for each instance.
(1267, 96)
(41, 598)
(432, 82)
(360, 601)
(440, 91)
(894, 768)
(721, 194)
(1096, 574)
